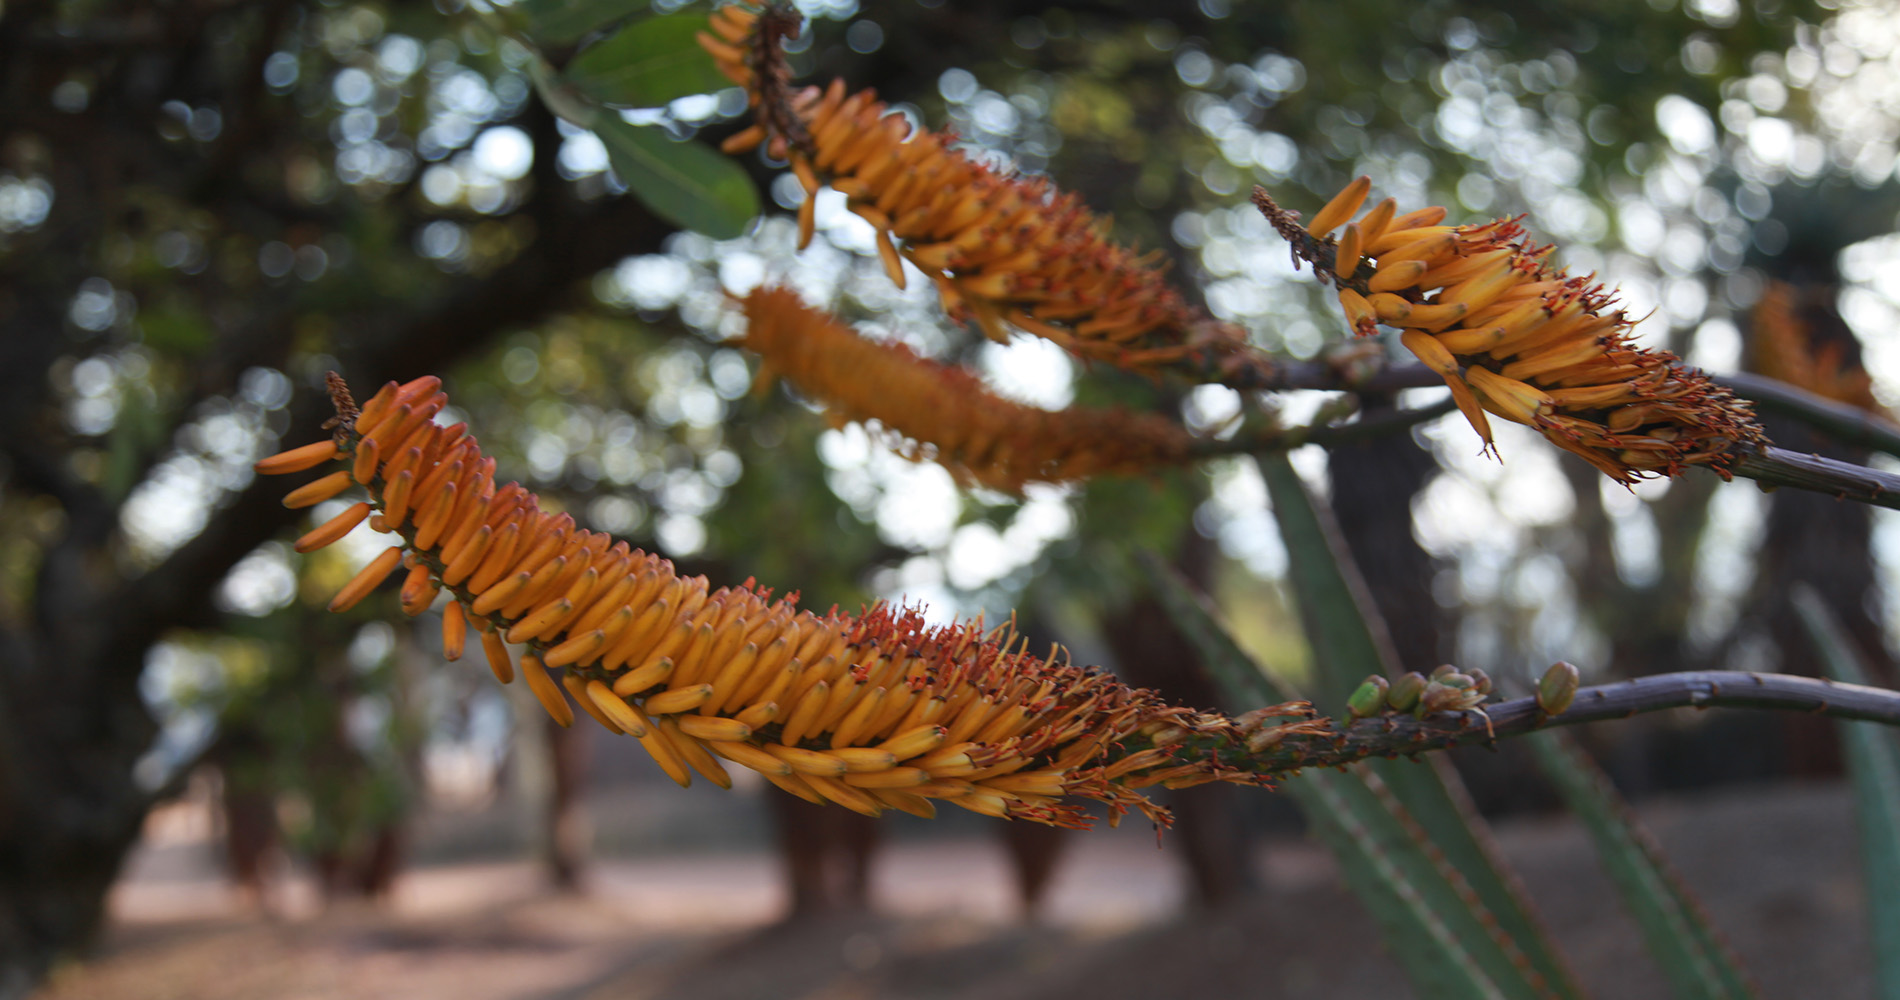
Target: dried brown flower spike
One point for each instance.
(1521, 340)
(871, 711)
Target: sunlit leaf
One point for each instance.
(558, 22)
(687, 183)
(647, 64)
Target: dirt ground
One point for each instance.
(1777, 867)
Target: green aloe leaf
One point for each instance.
(1348, 638)
(1347, 818)
(1349, 643)
(1424, 907)
(1873, 761)
(559, 22)
(647, 63)
(688, 183)
(1679, 936)
(1434, 796)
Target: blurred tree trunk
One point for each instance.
(1034, 853)
(1797, 335)
(1150, 652)
(826, 852)
(1644, 623)
(567, 835)
(1374, 482)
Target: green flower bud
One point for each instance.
(1404, 693)
(1557, 688)
(1369, 699)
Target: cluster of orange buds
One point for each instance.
(1784, 346)
(931, 411)
(1004, 250)
(872, 711)
(1519, 339)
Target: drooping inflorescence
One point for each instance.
(1004, 250)
(870, 711)
(1519, 339)
(939, 412)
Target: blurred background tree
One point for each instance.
(205, 205)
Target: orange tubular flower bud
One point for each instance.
(1344, 206)
(873, 711)
(367, 579)
(499, 662)
(333, 529)
(418, 590)
(296, 459)
(454, 631)
(311, 494)
(546, 691)
(365, 464)
(626, 718)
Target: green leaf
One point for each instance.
(1349, 642)
(1348, 639)
(561, 98)
(1873, 761)
(648, 63)
(1433, 795)
(1677, 932)
(1344, 819)
(559, 22)
(688, 183)
(1433, 922)
(1500, 938)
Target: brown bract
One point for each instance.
(873, 711)
(1516, 338)
(1003, 249)
(930, 411)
